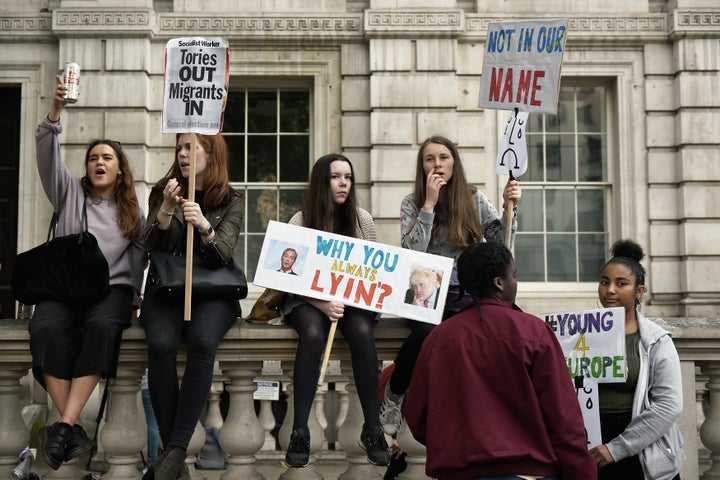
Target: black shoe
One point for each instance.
(298, 452)
(168, 465)
(53, 441)
(78, 444)
(372, 440)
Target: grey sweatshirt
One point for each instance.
(125, 256)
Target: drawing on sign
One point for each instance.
(512, 148)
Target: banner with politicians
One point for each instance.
(196, 85)
(521, 66)
(368, 275)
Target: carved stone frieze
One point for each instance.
(71, 20)
(22, 25)
(649, 24)
(399, 22)
(261, 25)
(696, 22)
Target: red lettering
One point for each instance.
(536, 87)
(348, 288)
(335, 281)
(507, 89)
(495, 81)
(315, 285)
(364, 294)
(523, 86)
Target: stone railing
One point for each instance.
(243, 433)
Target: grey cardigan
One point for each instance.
(653, 433)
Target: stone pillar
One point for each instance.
(14, 434)
(710, 430)
(359, 468)
(317, 435)
(197, 441)
(241, 436)
(416, 454)
(125, 433)
(267, 422)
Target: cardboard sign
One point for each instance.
(512, 148)
(368, 275)
(593, 342)
(587, 395)
(196, 85)
(521, 66)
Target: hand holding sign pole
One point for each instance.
(196, 84)
(512, 159)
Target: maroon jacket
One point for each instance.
(492, 396)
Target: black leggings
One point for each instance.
(629, 468)
(407, 356)
(312, 327)
(178, 408)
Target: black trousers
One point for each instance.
(177, 406)
(407, 356)
(628, 468)
(67, 341)
(312, 327)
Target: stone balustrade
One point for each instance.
(243, 434)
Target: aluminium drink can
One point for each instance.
(71, 80)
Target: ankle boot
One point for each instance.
(168, 465)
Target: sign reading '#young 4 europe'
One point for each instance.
(369, 275)
(593, 342)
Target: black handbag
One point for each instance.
(166, 277)
(71, 269)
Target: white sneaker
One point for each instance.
(390, 414)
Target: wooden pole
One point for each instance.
(510, 215)
(190, 232)
(326, 356)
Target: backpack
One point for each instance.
(211, 456)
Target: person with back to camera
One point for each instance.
(514, 403)
(442, 216)
(216, 219)
(638, 418)
(331, 205)
(74, 346)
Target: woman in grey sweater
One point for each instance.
(641, 439)
(73, 346)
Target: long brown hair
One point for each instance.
(456, 207)
(124, 196)
(319, 210)
(216, 189)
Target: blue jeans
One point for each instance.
(153, 436)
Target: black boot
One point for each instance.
(298, 452)
(53, 441)
(78, 444)
(372, 440)
(168, 465)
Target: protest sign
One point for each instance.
(196, 85)
(512, 148)
(587, 395)
(521, 66)
(368, 275)
(593, 342)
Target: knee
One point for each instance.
(160, 346)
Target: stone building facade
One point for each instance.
(634, 151)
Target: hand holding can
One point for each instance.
(71, 80)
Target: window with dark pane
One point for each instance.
(268, 134)
(562, 227)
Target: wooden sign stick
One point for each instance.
(326, 356)
(190, 231)
(510, 215)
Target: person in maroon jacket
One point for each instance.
(511, 411)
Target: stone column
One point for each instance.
(14, 434)
(125, 432)
(359, 468)
(416, 454)
(241, 436)
(317, 435)
(710, 430)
